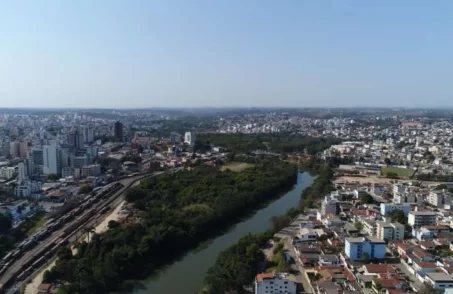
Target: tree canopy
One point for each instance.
(397, 215)
(176, 212)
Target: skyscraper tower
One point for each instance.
(118, 131)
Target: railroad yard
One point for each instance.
(21, 264)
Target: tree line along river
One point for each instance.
(186, 275)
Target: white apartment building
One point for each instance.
(329, 206)
(421, 218)
(52, 160)
(369, 226)
(389, 231)
(387, 208)
(7, 173)
(439, 198)
(27, 188)
(270, 283)
(405, 197)
(22, 171)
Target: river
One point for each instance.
(186, 275)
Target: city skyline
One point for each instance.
(225, 54)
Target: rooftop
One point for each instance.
(364, 239)
(422, 213)
(437, 277)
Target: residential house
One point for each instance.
(329, 259)
(307, 235)
(439, 280)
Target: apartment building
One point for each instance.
(329, 206)
(369, 226)
(389, 231)
(358, 248)
(387, 208)
(269, 283)
(439, 198)
(421, 218)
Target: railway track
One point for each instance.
(31, 260)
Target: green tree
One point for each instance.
(365, 256)
(5, 223)
(397, 215)
(358, 225)
(85, 189)
(366, 198)
(113, 224)
(52, 177)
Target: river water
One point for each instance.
(186, 275)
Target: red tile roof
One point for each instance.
(264, 276)
(380, 268)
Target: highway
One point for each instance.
(114, 200)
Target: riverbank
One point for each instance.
(191, 269)
(222, 276)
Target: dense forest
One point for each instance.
(275, 142)
(176, 212)
(238, 265)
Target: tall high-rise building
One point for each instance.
(79, 161)
(189, 138)
(75, 139)
(52, 160)
(14, 149)
(88, 134)
(22, 171)
(175, 138)
(23, 149)
(118, 131)
(37, 155)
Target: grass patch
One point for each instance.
(401, 172)
(39, 221)
(236, 166)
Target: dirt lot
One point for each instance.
(236, 166)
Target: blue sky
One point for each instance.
(181, 53)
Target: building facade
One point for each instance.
(387, 208)
(270, 283)
(389, 231)
(52, 160)
(421, 218)
(361, 248)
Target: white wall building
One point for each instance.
(189, 138)
(52, 160)
(7, 173)
(270, 283)
(27, 188)
(22, 171)
(421, 218)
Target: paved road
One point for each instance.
(302, 277)
(16, 266)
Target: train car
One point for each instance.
(7, 258)
(40, 261)
(104, 209)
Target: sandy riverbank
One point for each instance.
(32, 287)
